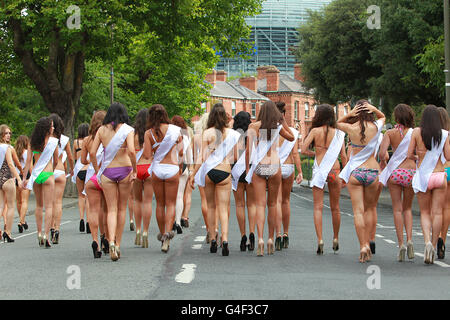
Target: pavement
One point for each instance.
(190, 272)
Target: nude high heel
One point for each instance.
(410, 250)
(402, 253)
(270, 247)
(335, 245)
(137, 241)
(260, 249)
(144, 240)
(320, 248)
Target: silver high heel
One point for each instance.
(137, 241)
(335, 245)
(144, 240)
(410, 250)
(428, 254)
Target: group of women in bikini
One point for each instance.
(116, 166)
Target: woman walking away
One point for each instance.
(96, 215)
(117, 171)
(79, 173)
(44, 148)
(22, 195)
(428, 143)
(445, 121)
(163, 140)
(184, 175)
(362, 169)
(7, 174)
(398, 174)
(243, 191)
(329, 144)
(187, 198)
(265, 170)
(60, 174)
(214, 173)
(289, 160)
(142, 186)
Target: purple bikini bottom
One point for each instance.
(117, 174)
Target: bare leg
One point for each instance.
(158, 188)
(147, 204)
(239, 199)
(170, 192)
(223, 193)
(39, 210)
(81, 198)
(397, 207)
(274, 183)
(204, 207)
(124, 188)
(94, 198)
(318, 210)
(9, 189)
(424, 199)
(60, 184)
(334, 189)
(138, 187)
(251, 207)
(187, 201)
(179, 204)
(48, 189)
(25, 195)
(437, 205)
(446, 215)
(356, 191)
(286, 187)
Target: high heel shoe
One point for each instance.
(410, 250)
(278, 245)
(47, 243)
(270, 248)
(118, 251)
(105, 244)
(97, 253)
(7, 238)
(55, 239)
(372, 247)
(260, 249)
(20, 228)
(25, 225)
(440, 249)
(335, 245)
(165, 243)
(429, 253)
(88, 230)
(225, 250)
(285, 244)
(131, 225)
(178, 228)
(369, 254)
(402, 253)
(243, 245)
(144, 240)
(113, 252)
(363, 255)
(137, 241)
(40, 240)
(251, 245)
(213, 247)
(320, 248)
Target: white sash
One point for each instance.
(260, 152)
(320, 172)
(423, 173)
(113, 147)
(139, 155)
(90, 170)
(3, 149)
(170, 138)
(287, 146)
(397, 158)
(217, 156)
(45, 157)
(356, 160)
(237, 171)
(78, 167)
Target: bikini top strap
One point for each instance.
(154, 139)
(400, 129)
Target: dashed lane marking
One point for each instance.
(187, 274)
(200, 238)
(197, 246)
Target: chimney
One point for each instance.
(261, 72)
(211, 77)
(298, 72)
(249, 83)
(273, 78)
(221, 76)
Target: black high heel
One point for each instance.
(372, 247)
(7, 238)
(251, 245)
(278, 245)
(20, 228)
(105, 244)
(52, 233)
(25, 225)
(88, 230)
(47, 243)
(55, 238)
(285, 243)
(179, 230)
(244, 243)
(225, 251)
(97, 253)
(440, 249)
(213, 248)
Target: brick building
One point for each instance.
(269, 84)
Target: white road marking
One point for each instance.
(342, 212)
(187, 274)
(200, 238)
(203, 227)
(379, 236)
(389, 241)
(197, 246)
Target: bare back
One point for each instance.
(395, 138)
(209, 145)
(354, 133)
(122, 158)
(418, 146)
(173, 156)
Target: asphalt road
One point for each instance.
(190, 272)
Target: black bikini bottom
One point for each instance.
(82, 175)
(217, 176)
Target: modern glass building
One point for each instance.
(274, 34)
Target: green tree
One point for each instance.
(432, 63)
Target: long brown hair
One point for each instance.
(218, 118)
(22, 144)
(445, 119)
(156, 116)
(324, 116)
(362, 117)
(3, 129)
(270, 117)
(96, 122)
(404, 115)
(431, 127)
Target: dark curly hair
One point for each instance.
(156, 116)
(141, 125)
(40, 132)
(116, 115)
(58, 125)
(242, 121)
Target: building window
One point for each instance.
(306, 110)
(233, 108)
(296, 110)
(253, 110)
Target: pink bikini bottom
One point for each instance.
(95, 182)
(437, 180)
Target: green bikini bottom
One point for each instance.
(42, 177)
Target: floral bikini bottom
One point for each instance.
(403, 177)
(365, 176)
